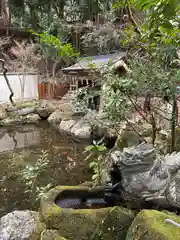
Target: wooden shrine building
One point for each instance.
(87, 71)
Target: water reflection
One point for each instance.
(22, 146)
(21, 138)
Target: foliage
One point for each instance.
(56, 10)
(52, 48)
(61, 49)
(151, 66)
(31, 173)
(116, 104)
(81, 98)
(162, 20)
(25, 55)
(103, 40)
(96, 154)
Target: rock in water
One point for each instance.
(67, 125)
(21, 225)
(3, 113)
(55, 117)
(26, 111)
(31, 118)
(81, 130)
(45, 109)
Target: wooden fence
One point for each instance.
(52, 91)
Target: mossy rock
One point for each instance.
(150, 224)
(51, 235)
(84, 224)
(87, 184)
(26, 104)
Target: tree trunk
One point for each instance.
(173, 124)
(7, 82)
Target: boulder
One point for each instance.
(30, 119)
(45, 109)
(25, 111)
(21, 225)
(3, 113)
(67, 125)
(51, 235)
(163, 135)
(83, 224)
(55, 117)
(127, 138)
(146, 130)
(81, 130)
(151, 224)
(24, 104)
(58, 116)
(9, 121)
(43, 112)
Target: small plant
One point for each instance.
(31, 173)
(96, 153)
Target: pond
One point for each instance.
(23, 146)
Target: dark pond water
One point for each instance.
(22, 146)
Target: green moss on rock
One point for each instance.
(84, 224)
(26, 104)
(40, 226)
(150, 224)
(51, 235)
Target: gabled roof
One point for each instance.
(95, 62)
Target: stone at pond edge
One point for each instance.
(9, 121)
(58, 116)
(51, 235)
(81, 129)
(21, 225)
(31, 118)
(84, 224)
(25, 111)
(67, 125)
(150, 224)
(45, 109)
(3, 113)
(55, 117)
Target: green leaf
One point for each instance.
(169, 10)
(167, 24)
(101, 148)
(94, 177)
(88, 157)
(89, 148)
(92, 164)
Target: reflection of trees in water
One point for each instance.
(13, 136)
(60, 170)
(2, 133)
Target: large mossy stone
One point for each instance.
(150, 224)
(84, 224)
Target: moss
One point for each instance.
(127, 139)
(87, 184)
(150, 224)
(82, 224)
(40, 226)
(51, 235)
(26, 104)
